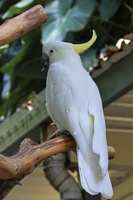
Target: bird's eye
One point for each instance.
(51, 51)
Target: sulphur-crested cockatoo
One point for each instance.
(74, 104)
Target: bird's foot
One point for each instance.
(58, 133)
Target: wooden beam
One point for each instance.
(119, 122)
(122, 141)
(22, 122)
(124, 190)
(119, 110)
(117, 80)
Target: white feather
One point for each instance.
(74, 104)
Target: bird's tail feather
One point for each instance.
(91, 182)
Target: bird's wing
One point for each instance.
(89, 121)
(99, 139)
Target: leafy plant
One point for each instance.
(63, 18)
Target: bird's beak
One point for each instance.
(45, 61)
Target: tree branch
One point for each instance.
(13, 28)
(31, 154)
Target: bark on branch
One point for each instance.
(13, 28)
(31, 154)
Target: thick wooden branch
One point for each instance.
(13, 28)
(31, 154)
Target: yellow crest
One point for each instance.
(79, 48)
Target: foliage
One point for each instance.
(68, 20)
(65, 17)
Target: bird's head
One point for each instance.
(56, 50)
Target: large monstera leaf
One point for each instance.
(65, 16)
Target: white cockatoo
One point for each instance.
(74, 104)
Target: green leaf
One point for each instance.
(63, 17)
(31, 69)
(17, 8)
(2, 48)
(12, 50)
(108, 8)
(9, 66)
(4, 5)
